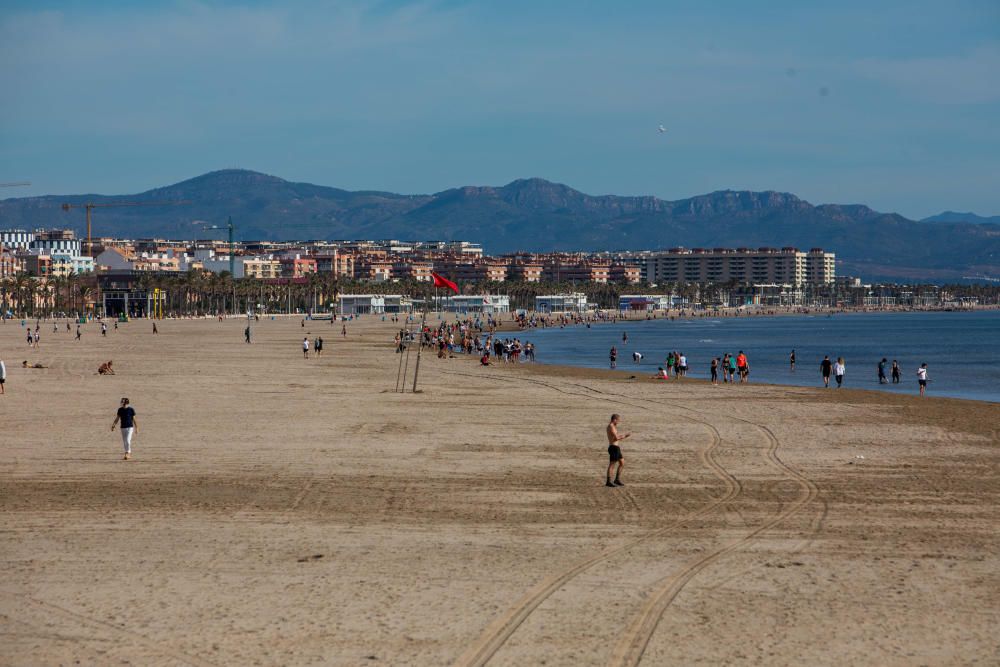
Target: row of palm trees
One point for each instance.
(26, 295)
(199, 292)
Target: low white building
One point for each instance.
(575, 302)
(361, 304)
(220, 263)
(488, 304)
(645, 302)
(398, 303)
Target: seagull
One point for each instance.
(661, 129)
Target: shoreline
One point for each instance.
(816, 394)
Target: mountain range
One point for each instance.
(534, 215)
(954, 216)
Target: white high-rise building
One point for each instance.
(743, 265)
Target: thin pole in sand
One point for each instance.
(399, 372)
(420, 347)
(406, 366)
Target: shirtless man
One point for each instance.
(615, 452)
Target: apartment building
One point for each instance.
(529, 272)
(585, 271)
(407, 270)
(261, 268)
(744, 265)
(297, 266)
(10, 264)
(472, 271)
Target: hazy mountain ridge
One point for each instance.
(971, 218)
(533, 214)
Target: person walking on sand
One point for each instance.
(318, 346)
(343, 331)
(77, 331)
(715, 370)
(615, 452)
(155, 330)
(129, 426)
(3, 376)
(305, 347)
(246, 334)
(922, 378)
(838, 371)
(826, 366)
(104, 329)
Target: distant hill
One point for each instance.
(971, 218)
(536, 215)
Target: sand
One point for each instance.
(299, 512)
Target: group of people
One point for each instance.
(839, 369)
(316, 344)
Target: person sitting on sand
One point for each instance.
(106, 369)
(25, 364)
(485, 360)
(661, 374)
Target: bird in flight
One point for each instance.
(661, 129)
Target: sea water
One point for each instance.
(961, 348)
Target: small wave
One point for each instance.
(706, 340)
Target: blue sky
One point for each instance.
(894, 105)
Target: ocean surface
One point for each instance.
(961, 349)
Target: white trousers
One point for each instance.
(127, 439)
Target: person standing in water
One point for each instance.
(895, 372)
(838, 371)
(882, 379)
(615, 452)
(826, 366)
(613, 356)
(791, 360)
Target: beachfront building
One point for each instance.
(488, 304)
(398, 303)
(123, 293)
(361, 304)
(741, 265)
(575, 302)
(646, 302)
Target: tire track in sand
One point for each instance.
(635, 639)
(633, 642)
(503, 627)
(138, 638)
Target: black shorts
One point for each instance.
(615, 452)
(923, 383)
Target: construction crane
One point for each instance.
(89, 207)
(232, 246)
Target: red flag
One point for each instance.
(441, 281)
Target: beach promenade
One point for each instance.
(282, 510)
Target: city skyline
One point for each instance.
(890, 107)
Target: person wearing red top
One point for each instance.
(742, 366)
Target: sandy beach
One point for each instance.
(284, 511)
